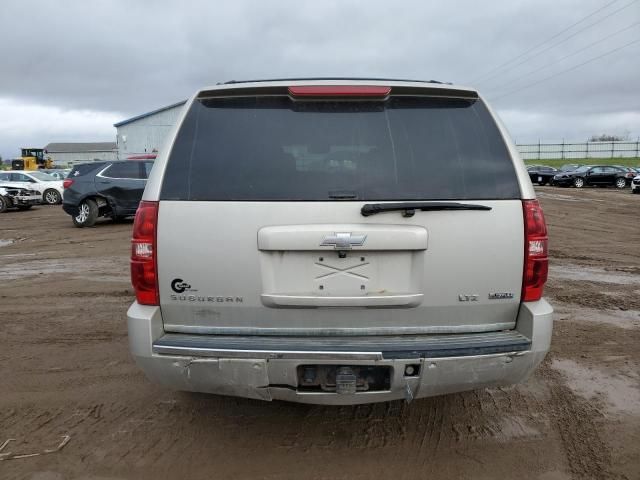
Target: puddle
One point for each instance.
(592, 274)
(620, 392)
(100, 270)
(566, 198)
(557, 196)
(104, 278)
(619, 318)
(5, 242)
(14, 271)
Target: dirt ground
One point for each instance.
(65, 370)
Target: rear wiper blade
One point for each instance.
(409, 208)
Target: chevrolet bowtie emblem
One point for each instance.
(343, 240)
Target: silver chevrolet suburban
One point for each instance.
(338, 241)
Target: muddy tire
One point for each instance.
(51, 197)
(4, 204)
(578, 182)
(87, 214)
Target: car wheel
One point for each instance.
(578, 182)
(87, 214)
(3, 204)
(621, 182)
(51, 197)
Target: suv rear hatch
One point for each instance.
(273, 214)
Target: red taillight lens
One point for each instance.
(536, 261)
(144, 270)
(339, 91)
(66, 183)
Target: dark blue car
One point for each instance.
(104, 189)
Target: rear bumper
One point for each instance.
(26, 199)
(70, 209)
(563, 181)
(268, 372)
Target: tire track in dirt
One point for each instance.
(577, 422)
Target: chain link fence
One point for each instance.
(552, 151)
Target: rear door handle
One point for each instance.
(400, 300)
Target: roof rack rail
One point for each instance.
(231, 82)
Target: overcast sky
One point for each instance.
(70, 69)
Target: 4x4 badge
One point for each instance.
(343, 240)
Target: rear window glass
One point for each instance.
(147, 169)
(83, 168)
(273, 148)
(124, 170)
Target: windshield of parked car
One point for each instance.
(43, 177)
(581, 169)
(274, 148)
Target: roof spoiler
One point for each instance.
(234, 90)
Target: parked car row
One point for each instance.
(97, 189)
(580, 176)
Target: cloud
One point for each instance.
(132, 57)
(24, 124)
(528, 127)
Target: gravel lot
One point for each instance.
(65, 370)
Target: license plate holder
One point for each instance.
(343, 379)
(346, 381)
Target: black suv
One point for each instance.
(104, 189)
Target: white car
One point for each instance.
(49, 187)
(635, 184)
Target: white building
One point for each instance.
(64, 154)
(146, 133)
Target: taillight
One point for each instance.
(339, 91)
(536, 261)
(144, 270)
(67, 182)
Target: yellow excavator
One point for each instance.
(32, 159)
